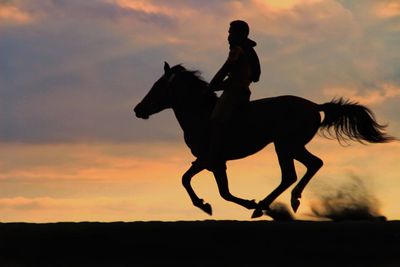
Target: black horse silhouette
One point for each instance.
(290, 122)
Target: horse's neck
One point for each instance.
(191, 118)
(194, 121)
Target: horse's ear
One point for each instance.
(167, 68)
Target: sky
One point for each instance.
(71, 72)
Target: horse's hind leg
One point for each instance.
(289, 176)
(313, 164)
(186, 178)
(222, 182)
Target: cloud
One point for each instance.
(48, 203)
(373, 97)
(22, 163)
(388, 9)
(88, 10)
(371, 9)
(47, 209)
(21, 203)
(10, 14)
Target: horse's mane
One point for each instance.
(198, 84)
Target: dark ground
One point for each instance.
(201, 243)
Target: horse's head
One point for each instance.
(160, 95)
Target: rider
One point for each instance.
(234, 78)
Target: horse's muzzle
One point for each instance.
(139, 112)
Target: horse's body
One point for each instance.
(264, 121)
(289, 122)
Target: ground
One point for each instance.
(201, 243)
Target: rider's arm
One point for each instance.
(234, 54)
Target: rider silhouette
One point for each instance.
(234, 78)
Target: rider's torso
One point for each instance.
(240, 75)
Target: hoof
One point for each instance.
(206, 208)
(257, 213)
(295, 202)
(203, 206)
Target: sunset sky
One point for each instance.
(71, 71)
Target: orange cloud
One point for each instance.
(88, 162)
(12, 14)
(144, 6)
(372, 97)
(47, 209)
(388, 10)
(284, 4)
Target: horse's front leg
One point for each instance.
(186, 178)
(222, 182)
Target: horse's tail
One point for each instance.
(345, 120)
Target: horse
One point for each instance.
(290, 122)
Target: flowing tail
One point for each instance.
(345, 120)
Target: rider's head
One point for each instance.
(238, 32)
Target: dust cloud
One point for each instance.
(350, 201)
(280, 212)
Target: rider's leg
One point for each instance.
(218, 119)
(221, 116)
